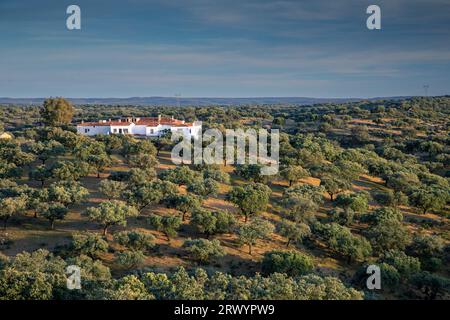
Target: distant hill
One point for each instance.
(169, 101)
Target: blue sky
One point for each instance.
(207, 48)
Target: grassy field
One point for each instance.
(27, 233)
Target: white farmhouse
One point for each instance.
(141, 127)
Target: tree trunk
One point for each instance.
(52, 224)
(290, 183)
(42, 183)
(183, 216)
(246, 218)
(35, 214)
(98, 174)
(331, 196)
(250, 249)
(424, 211)
(288, 243)
(105, 230)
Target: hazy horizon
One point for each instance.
(209, 97)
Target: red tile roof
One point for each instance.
(148, 121)
(107, 123)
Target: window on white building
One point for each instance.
(86, 130)
(125, 131)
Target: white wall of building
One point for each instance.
(92, 130)
(152, 131)
(122, 129)
(196, 130)
(140, 130)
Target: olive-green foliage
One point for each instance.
(302, 202)
(57, 111)
(294, 232)
(168, 225)
(251, 199)
(135, 240)
(389, 234)
(185, 203)
(11, 206)
(147, 193)
(132, 147)
(112, 189)
(67, 193)
(88, 243)
(383, 215)
(69, 170)
(293, 263)
(432, 286)
(45, 150)
(40, 173)
(429, 249)
(181, 285)
(143, 161)
(257, 229)
(358, 202)
(212, 222)
(344, 217)
(32, 276)
(216, 174)
(129, 288)
(203, 187)
(204, 250)
(342, 241)
(52, 212)
(111, 213)
(293, 174)
(130, 259)
(250, 172)
(391, 198)
(95, 154)
(180, 175)
(405, 265)
(429, 198)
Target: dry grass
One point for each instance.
(29, 234)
